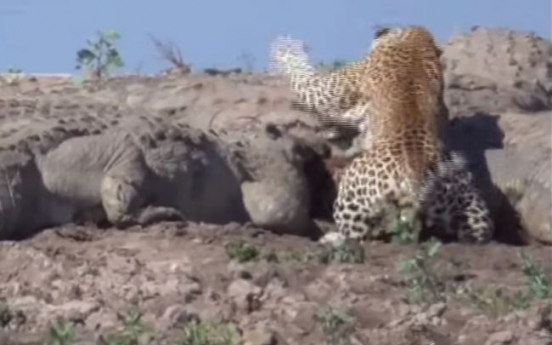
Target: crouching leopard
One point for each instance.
(407, 164)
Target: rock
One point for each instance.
(245, 294)
(76, 310)
(260, 335)
(536, 340)
(176, 316)
(540, 318)
(500, 338)
(437, 309)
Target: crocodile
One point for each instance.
(136, 173)
(137, 168)
(521, 173)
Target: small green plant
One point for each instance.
(133, 331)
(423, 283)
(336, 324)
(14, 70)
(404, 225)
(14, 75)
(347, 251)
(293, 256)
(241, 251)
(537, 281)
(61, 332)
(497, 302)
(101, 56)
(210, 333)
(287, 256)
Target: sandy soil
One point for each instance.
(175, 273)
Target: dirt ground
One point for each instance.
(201, 284)
(271, 289)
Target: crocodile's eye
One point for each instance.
(381, 32)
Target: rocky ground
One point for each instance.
(201, 284)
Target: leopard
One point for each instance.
(407, 165)
(335, 95)
(327, 94)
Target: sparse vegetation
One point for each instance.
(537, 281)
(210, 333)
(496, 301)
(101, 56)
(422, 280)
(134, 332)
(336, 324)
(241, 251)
(346, 251)
(537, 286)
(404, 225)
(61, 332)
(172, 54)
(287, 256)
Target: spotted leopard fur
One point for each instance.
(327, 94)
(407, 164)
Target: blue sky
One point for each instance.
(44, 35)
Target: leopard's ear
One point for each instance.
(381, 31)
